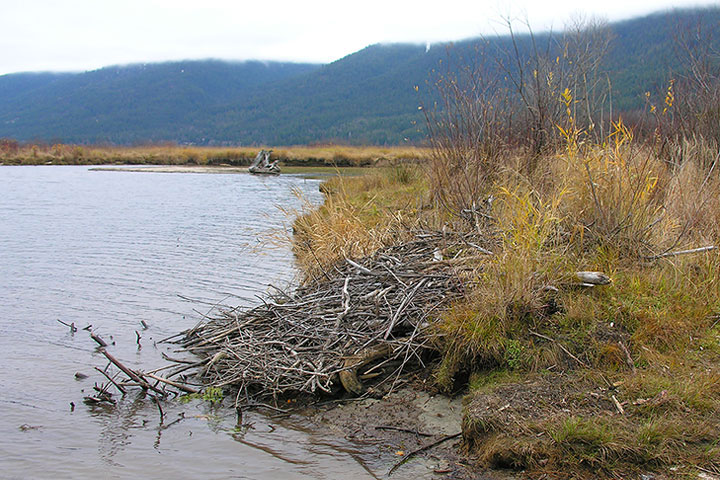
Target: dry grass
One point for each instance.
(650, 339)
(359, 216)
(547, 363)
(321, 155)
(569, 426)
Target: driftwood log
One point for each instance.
(263, 165)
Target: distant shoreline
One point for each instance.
(173, 169)
(309, 172)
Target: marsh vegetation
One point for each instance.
(565, 380)
(16, 153)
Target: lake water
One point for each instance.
(112, 249)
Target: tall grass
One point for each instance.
(599, 199)
(359, 216)
(14, 153)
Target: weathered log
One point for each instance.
(348, 376)
(263, 165)
(682, 252)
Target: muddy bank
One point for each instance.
(398, 424)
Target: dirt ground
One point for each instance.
(405, 420)
(398, 424)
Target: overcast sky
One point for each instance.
(79, 35)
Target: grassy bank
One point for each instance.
(12, 153)
(561, 379)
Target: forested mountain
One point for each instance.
(366, 97)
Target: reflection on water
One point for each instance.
(112, 249)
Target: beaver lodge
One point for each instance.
(367, 319)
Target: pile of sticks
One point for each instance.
(379, 308)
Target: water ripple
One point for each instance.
(111, 249)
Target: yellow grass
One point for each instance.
(651, 338)
(321, 155)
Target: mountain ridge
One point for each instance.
(365, 97)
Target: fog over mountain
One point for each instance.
(366, 97)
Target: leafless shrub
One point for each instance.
(507, 98)
(469, 130)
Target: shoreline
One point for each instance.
(308, 171)
(398, 424)
(171, 169)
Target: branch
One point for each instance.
(422, 449)
(682, 252)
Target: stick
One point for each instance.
(162, 414)
(177, 385)
(559, 345)
(71, 326)
(628, 357)
(346, 301)
(265, 405)
(682, 252)
(133, 376)
(171, 337)
(400, 309)
(422, 449)
(118, 386)
(619, 407)
(99, 340)
(407, 430)
(706, 470)
(480, 249)
(175, 360)
(360, 267)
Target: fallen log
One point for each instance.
(593, 278)
(682, 252)
(348, 376)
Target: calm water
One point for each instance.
(110, 249)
